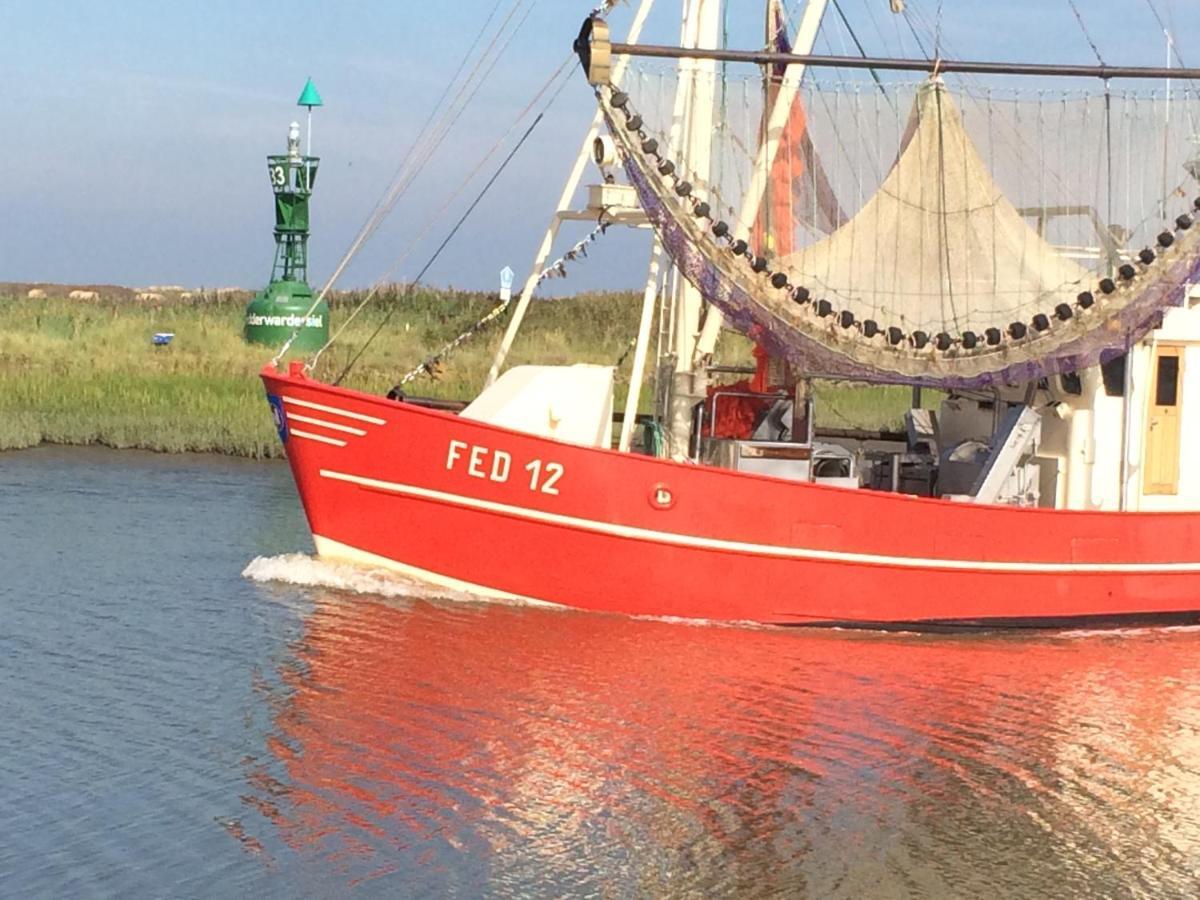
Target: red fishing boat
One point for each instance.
(504, 514)
(1050, 488)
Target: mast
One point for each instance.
(768, 39)
(563, 210)
(691, 131)
(806, 38)
(694, 343)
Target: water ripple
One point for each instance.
(172, 727)
(590, 754)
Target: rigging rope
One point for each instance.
(908, 20)
(1168, 29)
(426, 144)
(1172, 48)
(862, 51)
(1083, 27)
(433, 112)
(556, 269)
(427, 364)
(379, 282)
(442, 246)
(937, 35)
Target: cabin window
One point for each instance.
(1071, 383)
(1113, 371)
(1166, 391)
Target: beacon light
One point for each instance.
(506, 283)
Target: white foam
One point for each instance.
(1130, 631)
(704, 623)
(311, 571)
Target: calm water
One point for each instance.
(172, 727)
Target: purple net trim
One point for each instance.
(1109, 338)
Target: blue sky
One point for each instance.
(134, 131)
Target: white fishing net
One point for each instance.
(938, 246)
(942, 208)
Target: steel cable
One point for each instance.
(374, 289)
(443, 244)
(425, 145)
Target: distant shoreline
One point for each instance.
(58, 449)
(84, 372)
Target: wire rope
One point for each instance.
(433, 112)
(425, 145)
(422, 152)
(442, 246)
(462, 186)
(1087, 34)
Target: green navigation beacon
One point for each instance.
(286, 304)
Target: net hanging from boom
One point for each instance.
(938, 247)
(959, 236)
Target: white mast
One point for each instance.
(564, 205)
(691, 138)
(641, 347)
(806, 38)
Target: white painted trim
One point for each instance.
(333, 409)
(308, 435)
(333, 426)
(694, 541)
(327, 548)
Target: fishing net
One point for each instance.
(933, 231)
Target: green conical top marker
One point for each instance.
(309, 96)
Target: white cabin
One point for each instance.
(1087, 426)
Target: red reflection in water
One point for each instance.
(596, 746)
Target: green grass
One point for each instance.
(86, 373)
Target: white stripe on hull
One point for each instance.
(333, 409)
(332, 426)
(309, 436)
(694, 541)
(327, 548)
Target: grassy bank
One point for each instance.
(83, 372)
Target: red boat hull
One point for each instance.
(468, 505)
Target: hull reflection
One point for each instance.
(525, 750)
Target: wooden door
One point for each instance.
(1161, 474)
